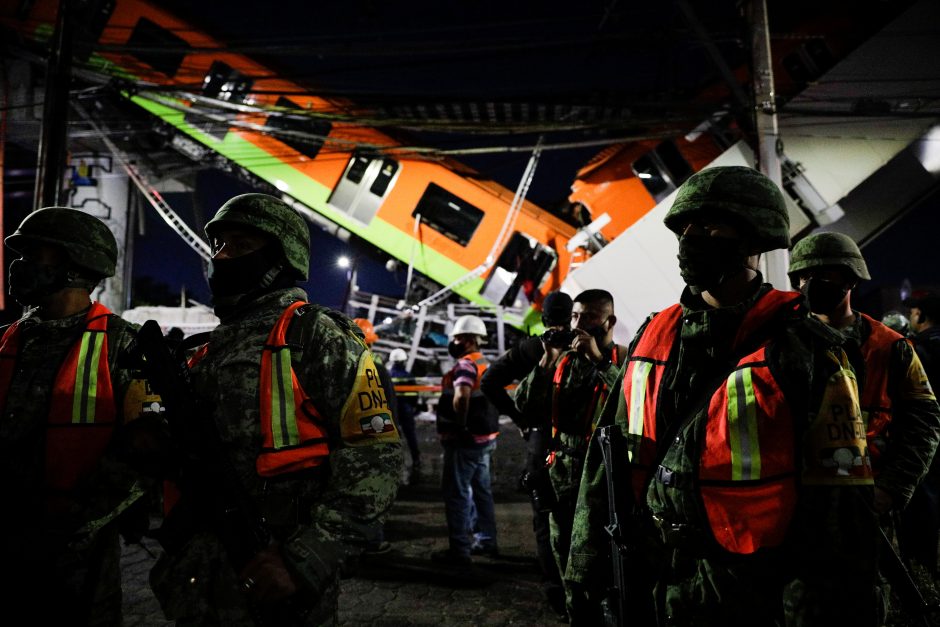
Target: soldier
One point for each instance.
(295, 398)
(900, 411)
(514, 366)
(726, 400)
(920, 522)
(567, 390)
(67, 392)
(925, 323)
(468, 425)
(898, 322)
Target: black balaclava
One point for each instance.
(705, 262)
(241, 278)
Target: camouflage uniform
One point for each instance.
(822, 570)
(63, 566)
(899, 407)
(321, 517)
(914, 430)
(577, 410)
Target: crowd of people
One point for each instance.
(751, 457)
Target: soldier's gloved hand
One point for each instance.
(266, 577)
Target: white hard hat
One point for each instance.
(468, 324)
(398, 354)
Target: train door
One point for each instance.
(519, 271)
(364, 185)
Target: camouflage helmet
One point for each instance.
(737, 191)
(87, 241)
(897, 321)
(828, 249)
(272, 217)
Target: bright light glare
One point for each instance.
(343, 262)
(645, 175)
(387, 320)
(281, 185)
(927, 150)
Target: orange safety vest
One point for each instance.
(597, 400)
(747, 464)
(82, 411)
(480, 423)
(293, 438)
(874, 399)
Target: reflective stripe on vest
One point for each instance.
(874, 399)
(747, 467)
(290, 425)
(82, 410)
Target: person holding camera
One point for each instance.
(567, 389)
(512, 366)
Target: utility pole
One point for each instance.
(774, 264)
(53, 143)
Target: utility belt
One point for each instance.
(681, 536)
(691, 543)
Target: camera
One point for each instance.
(559, 338)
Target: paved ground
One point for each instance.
(403, 587)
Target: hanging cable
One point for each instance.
(150, 193)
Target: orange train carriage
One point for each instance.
(435, 214)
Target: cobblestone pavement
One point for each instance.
(403, 587)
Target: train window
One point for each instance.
(157, 47)
(226, 83)
(358, 169)
(448, 214)
(384, 177)
(313, 126)
(520, 270)
(678, 168)
(662, 170)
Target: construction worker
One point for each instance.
(901, 414)
(567, 390)
(468, 425)
(737, 504)
(369, 335)
(69, 389)
(302, 420)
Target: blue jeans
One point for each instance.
(468, 499)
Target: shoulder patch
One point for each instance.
(366, 417)
(140, 399)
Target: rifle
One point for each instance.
(897, 574)
(213, 498)
(611, 440)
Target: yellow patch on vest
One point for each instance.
(366, 415)
(915, 385)
(140, 399)
(836, 446)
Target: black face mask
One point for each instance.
(823, 296)
(598, 331)
(246, 274)
(455, 349)
(31, 283)
(706, 262)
